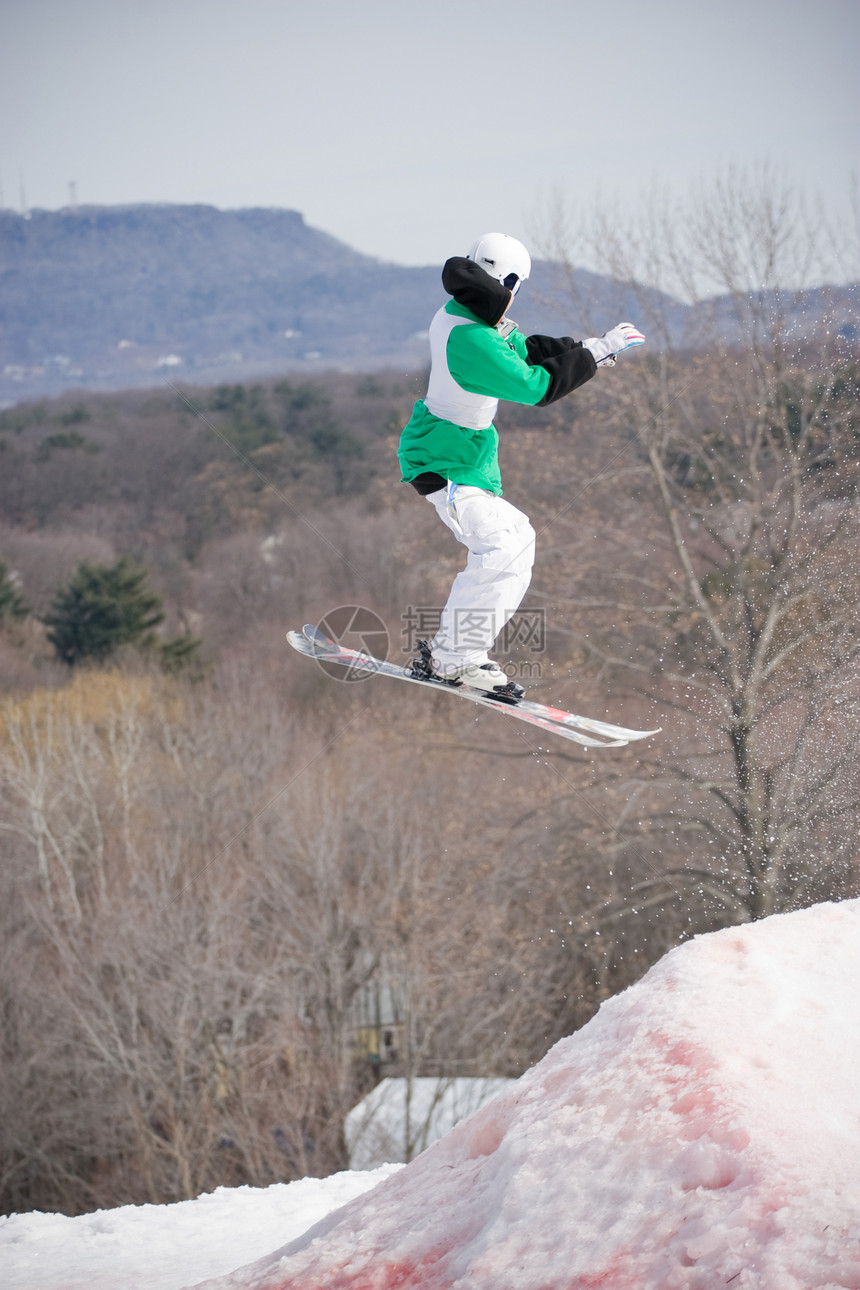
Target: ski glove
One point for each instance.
(605, 348)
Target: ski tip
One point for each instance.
(300, 643)
(309, 640)
(315, 636)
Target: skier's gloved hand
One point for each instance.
(605, 348)
(625, 336)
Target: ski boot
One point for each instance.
(487, 677)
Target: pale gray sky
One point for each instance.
(407, 127)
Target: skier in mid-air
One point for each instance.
(449, 449)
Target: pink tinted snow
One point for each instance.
(702, 1130)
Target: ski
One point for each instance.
(582, 730)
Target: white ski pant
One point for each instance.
(501, 545)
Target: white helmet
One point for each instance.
(503, 257)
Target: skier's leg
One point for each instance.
(487, 593)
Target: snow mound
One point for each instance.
(702, 1130)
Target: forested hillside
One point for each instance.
(237, 890)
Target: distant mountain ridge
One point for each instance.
(112, 296)
(102, 295)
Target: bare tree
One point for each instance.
(726, 579)
(192, 905)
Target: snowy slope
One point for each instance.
(702, 1130)
(163, 1247)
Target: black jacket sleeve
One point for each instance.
(568, 362)
(474, 289)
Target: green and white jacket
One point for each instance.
(478, 358)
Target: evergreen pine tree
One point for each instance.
(103, 607)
